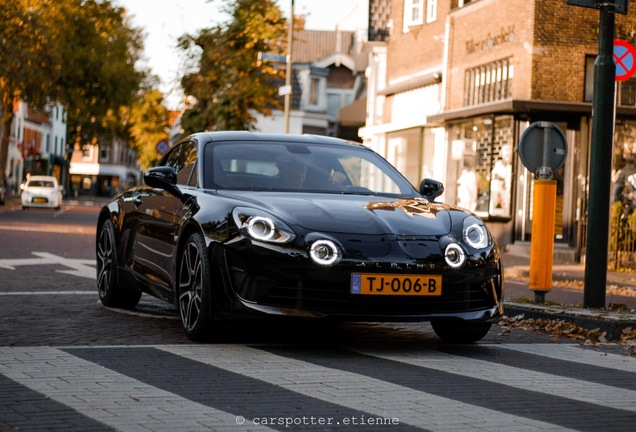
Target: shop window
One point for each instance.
(489, 82)
(87, 183)
(624, 164)
(484, 153)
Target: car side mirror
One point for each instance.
(431, 189)
(163, 177)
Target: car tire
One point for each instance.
(460, 331)
(109, 289)
(193, 289)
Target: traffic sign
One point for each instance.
(543, 148)
(162, 146)
(277, 58)
(284, 90)
(624, 57)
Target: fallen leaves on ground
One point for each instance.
(579, 285)
(560, 329)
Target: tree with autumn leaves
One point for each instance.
(230, 84)
(83, 54)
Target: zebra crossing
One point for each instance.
(489, 387)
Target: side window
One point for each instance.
(183, 159)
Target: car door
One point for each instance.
(159, 215)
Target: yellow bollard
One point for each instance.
(542, 245)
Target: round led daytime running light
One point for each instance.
(325, 252)
(455, 255)
(476, 236)
(261, 228)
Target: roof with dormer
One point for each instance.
(311, 46)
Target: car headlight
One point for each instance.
(475, 233)
(262, 226)
(325, 252)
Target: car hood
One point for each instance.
(352, 213)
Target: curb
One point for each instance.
(611, 323)
(570, 273)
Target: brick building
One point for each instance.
(464, 79)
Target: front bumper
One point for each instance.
(274, 283)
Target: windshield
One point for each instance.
(301, 167)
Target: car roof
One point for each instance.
(271, 137)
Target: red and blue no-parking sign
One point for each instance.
(625, 59)
(163, 146)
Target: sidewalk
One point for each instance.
(565, 299)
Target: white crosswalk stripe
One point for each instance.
(119, 401)
(356, 391)
(569, 388)
(106, 396)
(576, 354)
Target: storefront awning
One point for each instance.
(512, 106)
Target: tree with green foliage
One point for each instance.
(231, 84)
(80, 53)
(28, 65)
(97, 50)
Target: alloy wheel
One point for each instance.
(105, 253)
(190, 286)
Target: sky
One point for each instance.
(164, 21)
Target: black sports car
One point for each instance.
(235, 224)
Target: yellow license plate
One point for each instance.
(395, 284)
(40, 200)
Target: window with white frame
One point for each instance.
(413, 13)
(431, 11)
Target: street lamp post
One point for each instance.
(288, 71)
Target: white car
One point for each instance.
(41, 191)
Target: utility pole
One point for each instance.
(288, 71)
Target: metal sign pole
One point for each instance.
(600, 163)
(289, 69)
(542, 149)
